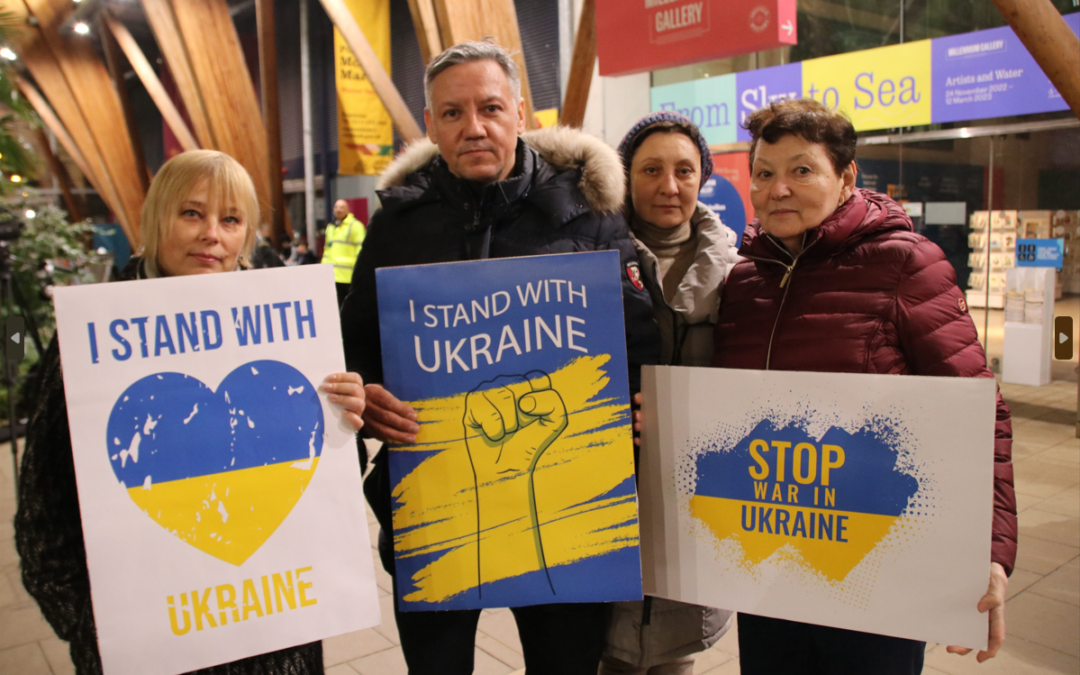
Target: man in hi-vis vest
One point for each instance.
(343, 240)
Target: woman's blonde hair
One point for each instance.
(227, 182)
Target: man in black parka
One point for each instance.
(481, 189)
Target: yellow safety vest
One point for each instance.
(342, 246)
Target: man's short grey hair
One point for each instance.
(472, 51)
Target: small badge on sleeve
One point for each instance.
(633, 272)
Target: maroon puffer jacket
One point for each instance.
(867, 295)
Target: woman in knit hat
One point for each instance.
(685, 254)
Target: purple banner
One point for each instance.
(756, 88)
(989, 73)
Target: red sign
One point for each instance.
(735, 166)
(639, 35)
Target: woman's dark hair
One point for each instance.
(808, 119)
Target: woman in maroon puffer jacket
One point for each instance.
(836, 281)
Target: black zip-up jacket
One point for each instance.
(564, 195)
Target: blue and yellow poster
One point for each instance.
(217, 485)
(520, 488)
(849, 500)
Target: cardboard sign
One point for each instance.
(219, 489)
(632, 37)
(520, 488)
(849, 500)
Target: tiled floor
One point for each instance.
(1043, 610)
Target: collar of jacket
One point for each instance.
(865, 214)
(134, 269)
(697, 298)
(477, 204)
(567, 158)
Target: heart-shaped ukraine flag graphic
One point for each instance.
(220, 470)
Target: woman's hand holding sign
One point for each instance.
(993, 602)
(347, 390)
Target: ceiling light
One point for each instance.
(15, 178)
(30, 213)
(8, 54)
(82, 29)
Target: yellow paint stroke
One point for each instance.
(834, 559)
(437, 511)
(227, 515)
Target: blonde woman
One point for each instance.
(198, 218)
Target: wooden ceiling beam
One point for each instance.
(152, 84)
(99, 105)
(162, 20)
(582, 67)
(68, 124)
(115, 64)
(48, 116)
(223, 81)
(271, 115)
(426, 25)
(76, 210)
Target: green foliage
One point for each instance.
(49, 252)
(16, 157)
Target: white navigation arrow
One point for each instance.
(1062, 337)
(788, 27)
(15, 338)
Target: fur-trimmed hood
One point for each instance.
(603, 181)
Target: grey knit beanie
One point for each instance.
(640, 131)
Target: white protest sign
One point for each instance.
(849, 500)
(220, 491)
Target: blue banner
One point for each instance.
(989, 73)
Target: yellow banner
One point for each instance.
(365, 132)
(879, 89)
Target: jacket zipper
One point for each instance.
(776, 321)
(784, 285)
(676, 341)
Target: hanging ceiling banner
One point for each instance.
(979, 75)
(667, 33)
(365, 131)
